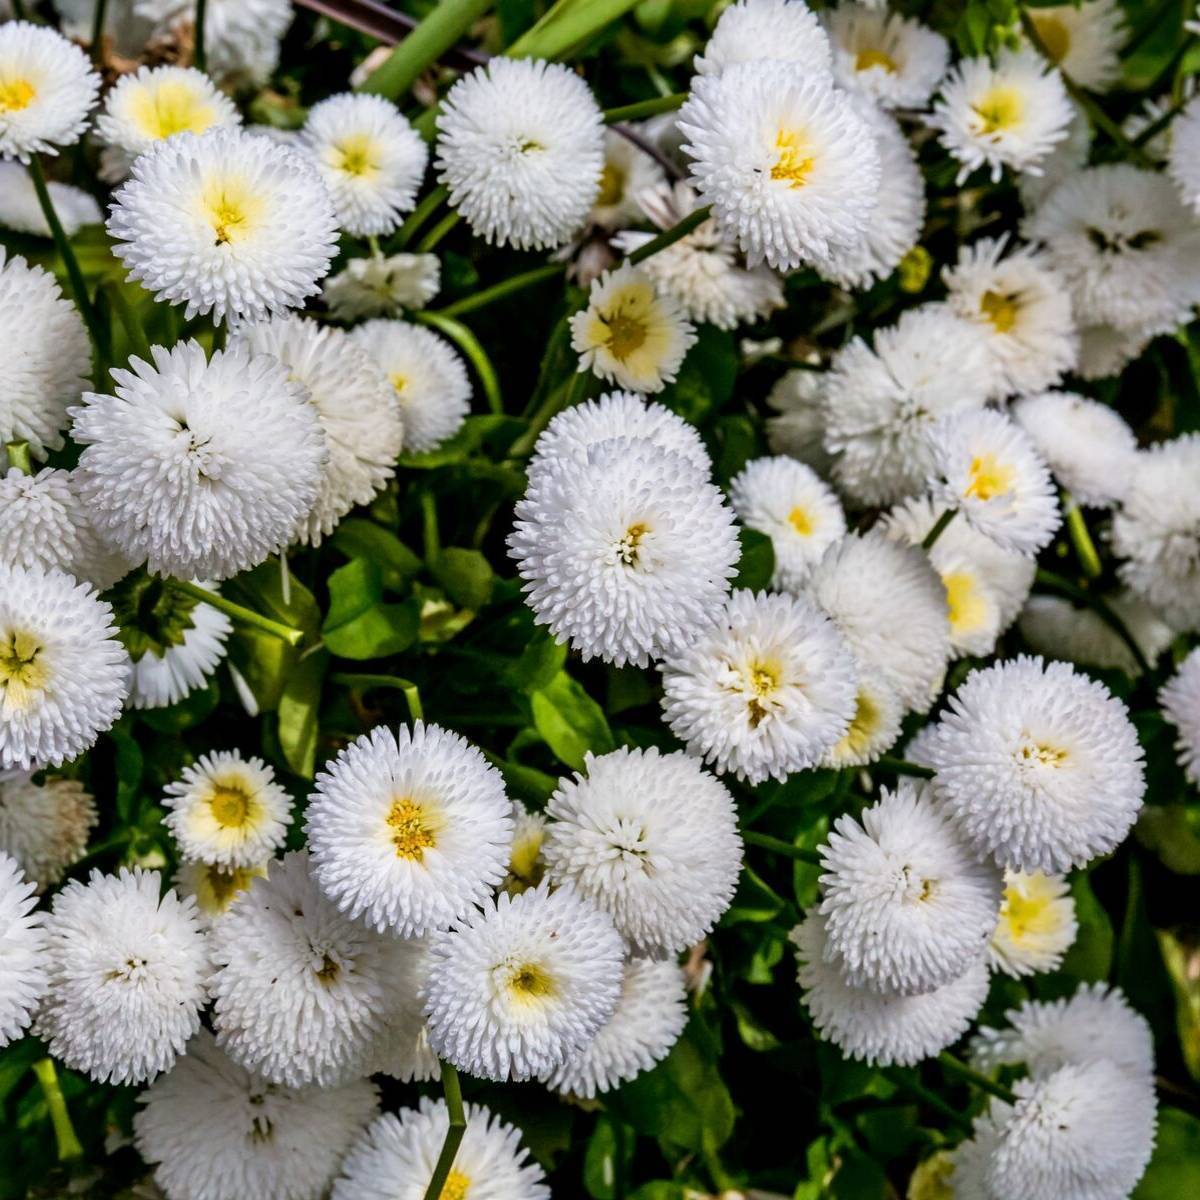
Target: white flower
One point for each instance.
(1023, 310)
(987, 467)
(24, 980)
(1037, 924)
(47, 89)
(766, 689)
(401, 1048)
(889, 604)
(127, 976)
(629, 334)
(210, 1128)
(225, 222)
(526, 867)
(45, 827)
(752, 31)
(200, 467)
(1011, 112)
(20, 210)
(408, 831)
(428, 376)
(521, 148)
(873, 730)
(159, 102)
(652, 840)
(649, 1018)
(1185, 146)
(1065, 159)
(879, 1029)
(795, 508)
(55, 360)
(1084, 40)
(628, 172)
(63, 673)
(1180, 701)
(879, 404)
(790, 168)
(895, 61)
(799, 429)
(371, 159)
(524, 984)
(1105, 351)
(214, 889)
(908, 906)
(375, 286)
(400, 1151)
(625, 551)
(1041, 766)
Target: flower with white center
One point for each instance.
(402, 1150)
(47, 89)
(63, 673)
(46, 826)
(649, 838)
(650, 1016)
(375, 286)
(1083, 40)
(44, 524)
(371, 159)
(786, 161)
(1036, 927)
(880, 403)
(986, 467)
(210, 1128)
(200, 467)
(1010, 112)
(401, 1048)
(879, 1029)
(428, 376)
(521, 149)
(889, 604)
(408, 831)
(1180, 701)
(526, 866)
(753, 31)
(1181, 162)
(908, 906)
(520, 987)
(795, 508)
(873, 730)
(768, 688)
(354, 401)
(630, 334)
(20, 210)
(1021, 307)
(226, 222)
(799, 429)
(159, 102)
(628, 172)
(128, 969)
(55, 362)
(213, 888)
(24, 979)
(1156, 530)
(227, 811)
(1040, 765)
(626, 549)
(895, 61)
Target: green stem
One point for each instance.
(1158, 125)
(1081, 538)
(500, 290)
(779, 846)
(412, 693)
(69, 1146)
(644, 108)
(199, 55)
(900, 766)
(975, 1078)
(669, 237)
(98, 30)
(904, 1079)
(420, 215)
(554, 403)
(18, 7)
(439, 231)
(19, 458)
(567, 24)
(139, 344)
(468, 343)
(447, 22)
(454, 1133)
(236, 612)
(373, 246)
(429, 527)
(1056, 583)
(939, 526)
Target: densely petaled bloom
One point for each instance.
(47, 89)
(524, 984)
(799, 429)
(625, 550)
(521, 148)
(1037, 924)
(630, 334)
(651, 839)
(371, 159)
(401, 1048)
(1083, 40)
(628, 172)
(1010, 112)
(881, 1029)
(63, 673)
(1105, 350)
(409, 830)
(45, 827)
(1040, 766)
(226, 222)
(874, 728)
(1184, 151)
(650, 1016)
(128, 970)
(374, 286)
(211, 1128)
(787, 163)
(20, 210)
(1065, 159)
(785, 31)
(1180, 700)
(24, 980)
(200, 467)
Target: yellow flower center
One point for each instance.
(529, 982)
(762, 679)
(612, 185)
(800, 520)
(1054, 35)
(524, 869)
(232, 210)
(356, 155)
(1001, 108)
(626, 334)
(225, 885)
(867, 715)
(412, 832)
(232, 805)
(989, 477)
(170, 108)
(455, 1187)
(399, 382)
(964, 601)
(794, 162)
(1043, 753)
(866, 59)
(629, 545)
(16, 94)
(22, 672)
(1001, 309)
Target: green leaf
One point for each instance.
(705, 380)
(570, 721)
(359, 625)
(298, 711)
(1174, 1171)
(356, 537)
(753, 901)
(1090, 958)
(525, 783)
(190, 711)
(464, 443)
(859, 1178)
(737, 443)
(466, 575)
(540, 662)
(129, 765)
(757, 563)
(600, 1164)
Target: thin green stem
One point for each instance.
(1081, 538)
(236, 612)
(420, 215)
(373, 246)
(1056, 583)
(446, 23)
(669, 237)
(412, 693)
(1157, 126)
(975, 1078)
(19, 458)
(69, 1146)
(939, 527)
(454, 1134)
(554, 403)
(139, 344)
(98, 18)
(199, 55)
(439, 231)
(429, 526)
(900, 766)
(469, 344)
(498, 291)
(907, 1081)
(778, 846)
(644, 108)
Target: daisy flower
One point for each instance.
(628, 172)
(751, 31)
(375, 286)
(798, 429)
(1067, 157)
(874, 727)
(21, 212)
(24, 980)
(1037, 924)
(1105, 351)
(1180, 701)
(45, 826)
(895, 61)
(526, 866)
(1084, 41)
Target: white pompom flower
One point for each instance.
(401, 1048)
(651, 839)
(1037, 924)
(1083, 40)
(1180, 701)
(375, 286)
(523, 984)
(24, 979)
(45, 826)
(1040, 765)
(128, 970)
(751, 31)
(798, 430)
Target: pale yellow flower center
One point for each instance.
(761, 681)
(626, 334)
(1054, 35)
(795, 160)
(170, 108)
(630, 545)
(866, 59)
(16, 94)
(801, 521)
(530, 982)
(1028, 911)
(225, 885)
(867, 716)
(1043, 753)
(232, 805)
(612, 185)
(412, 829)
(964, 601)
(22, 668)
(233, 211)
(356, 155)
(989, 477)
(1000, 109)
(1001, 310)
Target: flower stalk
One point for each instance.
(939, 527)
(454, 1134)
(67, 1141)
(778, 846)
(236, 612)
(468, 343)
(669, 237)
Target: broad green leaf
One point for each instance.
(1174, 1171)
(600, 1162)
(754, 900)
(359, 624)
(570, 721)
(356, 537)
(464, 443)
(540, 662)
(465, 574)
(190, 711)
(1090, 958)
(298, 712)
(757, 563)
(129, 765)
(705, 381)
